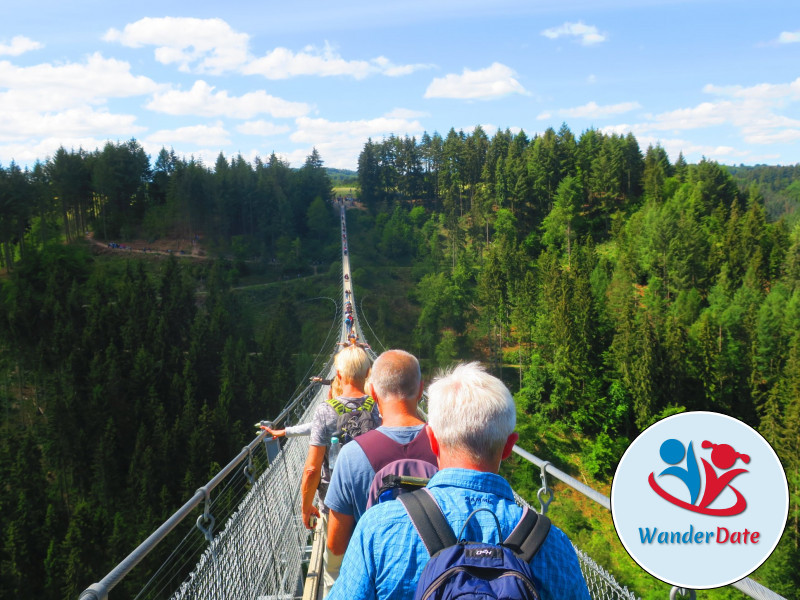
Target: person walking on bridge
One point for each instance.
(471, 420)
(352, 368)
(396, 385)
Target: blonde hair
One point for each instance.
(353, 365)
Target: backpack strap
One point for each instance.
(529, 535)
(428, 520)
(337, 406)
(342, 408)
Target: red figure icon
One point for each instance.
(724, 457)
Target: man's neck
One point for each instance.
(350, 390)
(464, 461)
(399, 413)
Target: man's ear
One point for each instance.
(419, 392)
(432, 438)
(509, 446)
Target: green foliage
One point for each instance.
(621, 287)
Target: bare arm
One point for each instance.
(340, 529)
(311, 477)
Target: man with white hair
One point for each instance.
(471, 420)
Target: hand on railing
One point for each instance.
(275, 433)
(310, 517)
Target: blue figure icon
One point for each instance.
(672, 452)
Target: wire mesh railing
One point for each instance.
(261, 550)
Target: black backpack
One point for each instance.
(464, 570)
(353, 418)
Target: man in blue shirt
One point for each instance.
(471, 420)
(396, 385)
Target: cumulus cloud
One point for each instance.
(46, 105)
(592, 110)
(53, 87)
(282, 63)
(29, 151)
(261, 127)
(200, 135)
(311, 130)
(212, 46)
(202, 100)
(587, 34)
(19, 45)
(206, 45)
(405, 113)
(340, 142)
(757, 112)
(494, 81)
(789, 37)
(68, 124)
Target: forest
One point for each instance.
(608, 285)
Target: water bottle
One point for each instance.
(333, 451)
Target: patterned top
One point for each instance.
(386, 555)
(323, 426)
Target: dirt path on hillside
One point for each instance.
(180, 248)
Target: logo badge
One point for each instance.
(699, 500)
(723, 456)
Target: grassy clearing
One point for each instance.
(346, 190)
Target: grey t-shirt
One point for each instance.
(323, 427)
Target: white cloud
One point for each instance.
(29, 151)
(68, 124)
(19, 45)
(405, 113)
(592, 110)
(757, 113)
(314, 131)
(46, 105)
(206, 45)
(789, 37)
(492, 82)
(766, 92)
(213, 46)
(201, 135)
(282, 63)
(202, 100)
(544, 115)
(588, 34)
(340, 142)
(262, 128)
(49, 87)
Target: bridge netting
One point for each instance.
(248, 540)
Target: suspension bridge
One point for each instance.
(241, 535)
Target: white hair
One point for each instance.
(396, 375)
(353, 365)
(471, 411)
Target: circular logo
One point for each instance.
(699, 500)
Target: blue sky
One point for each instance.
(712, 78)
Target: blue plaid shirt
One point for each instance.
(386, 555)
